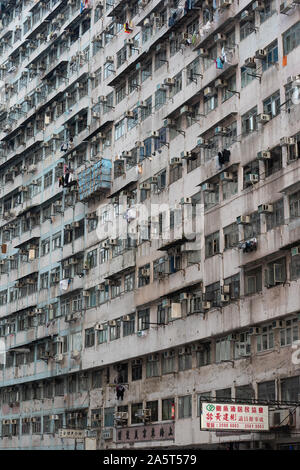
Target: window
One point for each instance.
(175, 173)
(133, 82)
(275, 218)
(119, 129)
(168, 409)
(129, 326)
(120, 94)
(146, 71)
(48, 179)
(144, 275)
(291, 38)
(102, 335)
(212, 294)
(203, 354)
(230, 188)
(129, 282)
(177, 87)
(89, 337)
(45, 247)
(44, 281)
(168, 362)
(185, 359)
(210, 103)
(153, 406)
(56, 241)
(265, 340)
(59, 387)
(202, 397)
(160, 59)
(143, 319)
(109, 416)
(231, 236)
(135, 408)
(212, 244)
(185, 407)
(223, 395)
(266, 390)
(147, 110)
(115, 330)
(275, 272)
(223, 349)
(246, 76)
(290, 389)
(234, 286)
(160, 98)
(290, 332)
(272, 56)
(272, 104)
(211, 198)
(253, 281)
(246, 27)
(294, 203)
(253, 228)
(92, 258)
(244, 393)
(231, 86)
(249, 121)
(121, 56)
(152, 366)
(137, 369)
(267, 11)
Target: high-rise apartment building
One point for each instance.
(150, 220)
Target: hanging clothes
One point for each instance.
(219, 63)
(64, 284)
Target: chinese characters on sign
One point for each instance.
(233, 416)
(71, 433)
(156, 432)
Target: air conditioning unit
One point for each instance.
(203, 143)
(255, 331)
(121, 416)
(243, 219)
(129, 114)
(126, 318)
(225, 3)
(261, 54)
(246, 14)
(208, 187)
(169, 123)
(98, 327)
(169, 81)
(219, 37)
(54, 417)
(185, 296)
(109, 59)
(225, 298)
(145, 186)
(208, 91)
(221, 131)
(186, 200)
(258, 6)
(59, 358)
(113, 241)
(265, 209)
(175, 161)
(221, 83)
(226, 176)
(278, 324)
(295, 251)
(203, 52)
(264, 155)
(206, 305)
(126, 154)
(263, 118)
(112, 323)
(251, 178)
(145, 272)
(250, 62)
(287, 141)
(85, 293)
(280, 418)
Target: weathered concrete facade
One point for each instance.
(196, 105)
